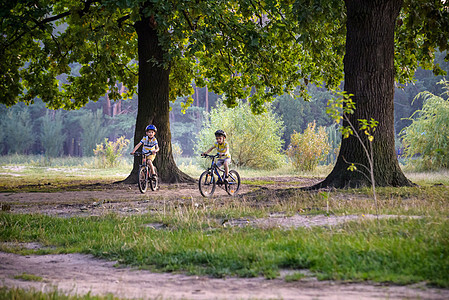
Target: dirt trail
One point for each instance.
(80, 274)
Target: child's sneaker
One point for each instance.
(154, 176)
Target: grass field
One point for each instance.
(411, 247)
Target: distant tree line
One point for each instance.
(35, 129)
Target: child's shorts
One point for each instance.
(148, 156)
(221, 161)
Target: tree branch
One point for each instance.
(39, 24)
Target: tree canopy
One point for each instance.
(70, 52)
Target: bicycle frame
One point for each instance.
(149, 179)
(216, 169)
(208, 181)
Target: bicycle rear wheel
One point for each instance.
(207, 184)
(233, 185)
(154, 181)
(143, 179)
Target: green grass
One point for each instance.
(15, 294)
(257, 182)
(394, 250)
(28, 277)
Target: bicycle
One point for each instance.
(214, 176)
(145, 175)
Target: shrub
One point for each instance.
(254, 140)
(306, 150)
(109, 152)
(427, 136)
(176, 150)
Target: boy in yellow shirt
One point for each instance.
(224, 157)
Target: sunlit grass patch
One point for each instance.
(257, 182)
(31, 294)
(28, 277)
(429, 178)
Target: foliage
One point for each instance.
(177, 150)
(109, 152)
(94, 44)
(93, 130)
(52, 138)
(231, 43)
(419, 32)
(254, 140)
(297, 112)
(404, 97)
(306, 150)
(428, 135)
(19, 134)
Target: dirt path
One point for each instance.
(98, 199)
(80, 274)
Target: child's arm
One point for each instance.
(137, 147)
(210, 149)
(156, 149)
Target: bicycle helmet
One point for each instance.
(220, 132)
(151, 127)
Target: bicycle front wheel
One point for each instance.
(233, 185)
(154, 181)
(143, 179)
(207, 184)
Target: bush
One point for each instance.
(306, 150)
(427, 137)
(176, 151)
(254, 140)
(109, 152)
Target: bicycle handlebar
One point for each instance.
(210, 156)
(139, 153)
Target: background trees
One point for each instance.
(69, 52)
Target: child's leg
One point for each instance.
(150, 164)
(226, 168)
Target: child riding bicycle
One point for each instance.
(150, 147)
(222, 147)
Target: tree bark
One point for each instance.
(154, 107)
(369, 76)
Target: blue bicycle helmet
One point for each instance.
(220, 132)
(151, 127)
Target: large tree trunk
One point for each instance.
(369, 76)
(154, 105)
